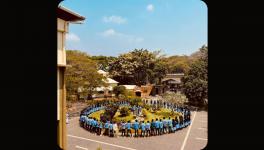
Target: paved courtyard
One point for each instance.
(194, 137)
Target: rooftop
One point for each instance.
(68, 15)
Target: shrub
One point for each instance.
(135, 101)
(120, 89)
(110, 111)
(124, 111)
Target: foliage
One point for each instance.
(82, 77)
(97, 114)
(129, 94)
(175, 98)
(110, 111)
(195, 82)
(137, 101)
(137, 67)
(124, 111)
(146, 106)
(120, 89)
(102, 61)
(178, 64)
(158, 114)
(118, 117)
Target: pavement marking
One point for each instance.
(101, 142)
(81, 147)
(201, 139)
(188, 132)
(202, 128)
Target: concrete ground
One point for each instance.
(194, 137)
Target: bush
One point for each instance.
(124, 111)
(110, 111)
(120, 89)
(135, 101)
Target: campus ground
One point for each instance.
(194, 137)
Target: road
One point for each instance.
(194, 137)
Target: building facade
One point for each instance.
(171, 82)
(64, 17)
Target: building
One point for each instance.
(140, 91)
(64, 17)
(171, 82)
(108, 90)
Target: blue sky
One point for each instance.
(112, 27)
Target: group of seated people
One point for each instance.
(146, 128)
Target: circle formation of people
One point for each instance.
(155, 127)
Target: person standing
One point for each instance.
(170, 125)
(143, 128)
(106, 126)
(128, 128)
(136, 127)
(164, 125)
(173, 125)
(161, 127)
(152, 127)
(111, 129)
(148, 128)
(123, 126)
(100, 128)
(157, 126)
(67, 118)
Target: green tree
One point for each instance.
(102, 61)
(175, 98)
(124, 111)
(110, 111)
(137, 67)
(82, 74)
(120, 89)
(195, 83)
(178, 64)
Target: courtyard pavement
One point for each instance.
(193, 137)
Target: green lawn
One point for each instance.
(97, 114)
(159, 114)
(118, 117)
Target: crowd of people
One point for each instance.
(155, 127)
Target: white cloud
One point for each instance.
(150, 7)
(114, 19)
(111, 33)
(72, 37)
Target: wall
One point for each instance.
(61, 37)
(62, 29)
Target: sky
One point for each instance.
(113, 27)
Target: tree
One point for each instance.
(82, 75)
(102, 61)
(124, 111)
(177, 64)
(137, 101)
(120, 89)
(195, 82)
(137, 67)
(175, 98)
(109, 113)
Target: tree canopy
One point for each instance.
(82, 74)
(139, 67)
(196, 80)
